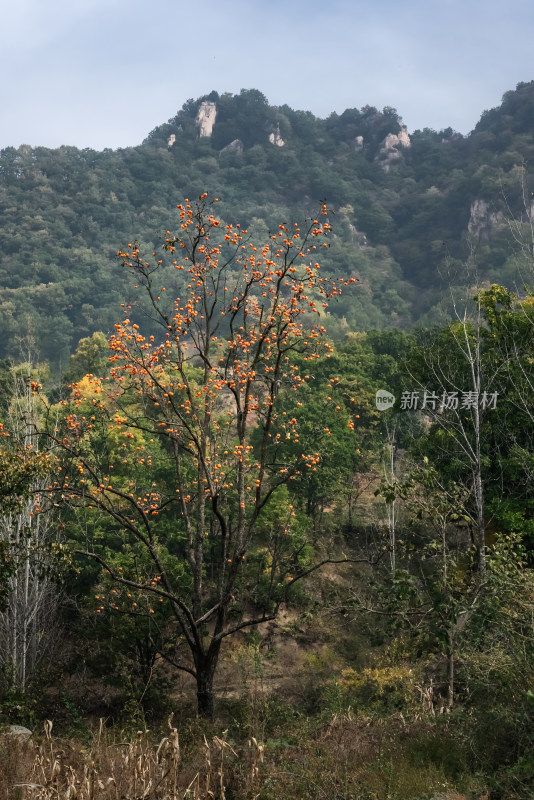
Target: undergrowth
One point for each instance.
(340, 756)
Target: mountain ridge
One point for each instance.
(409, 208)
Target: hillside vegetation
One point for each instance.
(261, 534)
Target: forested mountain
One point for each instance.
(253, 498)
(409, 210)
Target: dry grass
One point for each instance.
(343, 757)
(108, 769)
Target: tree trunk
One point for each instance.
(206, 665)
(205, 704)
(450, 672)
(480, 525)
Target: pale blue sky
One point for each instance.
(104, 73)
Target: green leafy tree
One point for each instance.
(432, 591)
(510, 435)
(498, 669)
(455, 379)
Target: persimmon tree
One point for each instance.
(163, 445)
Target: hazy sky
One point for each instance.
(104, 73)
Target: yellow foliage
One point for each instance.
(397, 684)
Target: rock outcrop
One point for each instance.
(234, 147)
(275, 138)
(16, 756)
(16, 732)
(482, 220)
(392, 148)
(206, 116)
